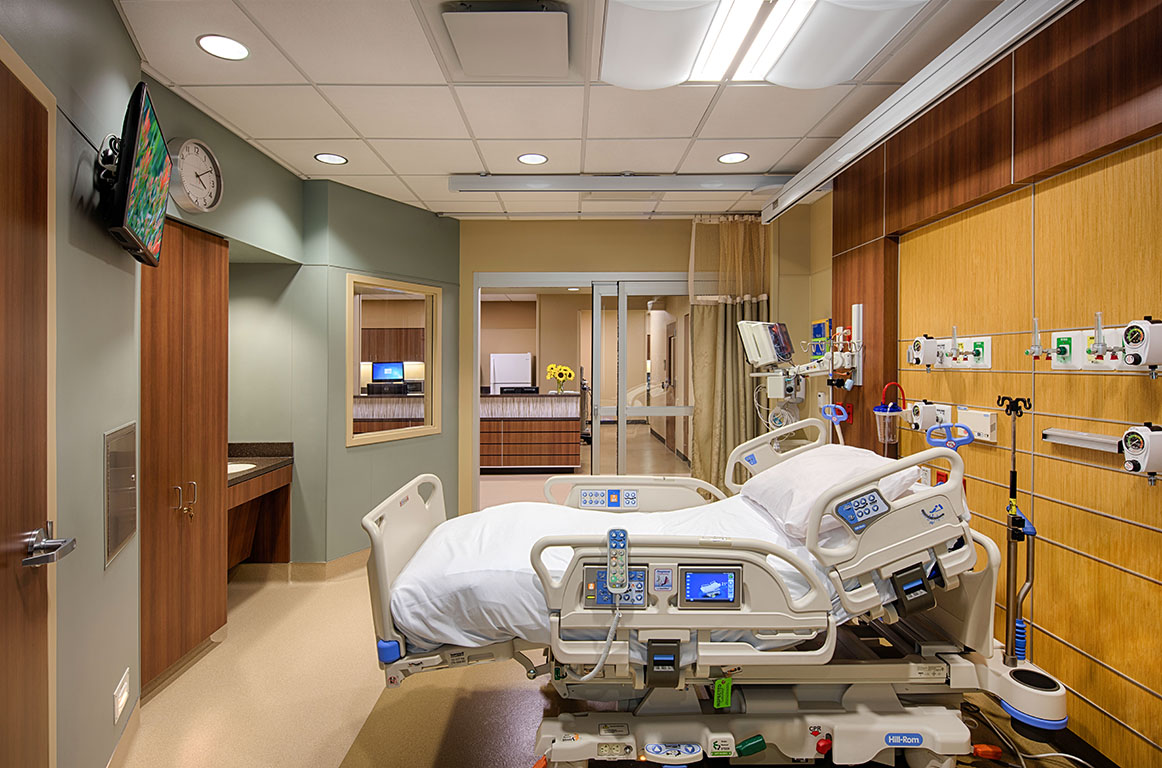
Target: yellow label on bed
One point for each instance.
(722, 688)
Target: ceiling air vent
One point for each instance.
(510, 39)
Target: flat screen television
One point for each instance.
(142, 181)
(387, 371)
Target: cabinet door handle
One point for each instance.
(181, 504)
(195, 485)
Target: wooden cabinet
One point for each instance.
(183, 446)
(530, 443)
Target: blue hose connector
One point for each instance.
(1020, 634)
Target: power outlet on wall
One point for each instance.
(120, 697)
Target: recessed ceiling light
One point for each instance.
(330, 158)
(223, 47)
(733, 157)
(533, 158)
(574, 289)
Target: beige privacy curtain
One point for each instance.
(724, 411)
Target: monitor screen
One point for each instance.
(709, 586)
(142, 186)
(781, 340)
(387, 371)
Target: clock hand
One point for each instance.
(199, 176)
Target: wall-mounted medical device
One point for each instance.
(1142, 340)
(951, 352)
(1143, 449)
(923, 414)
(765, 343)
(923, 351)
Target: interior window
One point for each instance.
(393, 353)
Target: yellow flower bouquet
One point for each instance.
(559, 374)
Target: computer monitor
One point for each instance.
(387, 371)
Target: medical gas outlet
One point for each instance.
(1142, 447)
(923, 414)
(1142, 340)
(973, 352)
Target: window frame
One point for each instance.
(433, 362)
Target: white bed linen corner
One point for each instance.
(471, 583)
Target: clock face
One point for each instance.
(200, 177)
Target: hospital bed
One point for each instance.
(779, 664)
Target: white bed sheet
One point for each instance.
(472, 584)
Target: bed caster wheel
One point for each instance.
(922, 758)
(531, 674)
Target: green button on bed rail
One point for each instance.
(751, 746)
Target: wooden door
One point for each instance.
(24, 453)
(162, 477)
(205, 286)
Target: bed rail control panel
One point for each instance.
(710, 587)
(609, 498)
(862, 511)
(913, 591)
(673, 754)
(597, 594)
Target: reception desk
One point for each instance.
(376, 413)
(537, 432)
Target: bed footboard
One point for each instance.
(631, 493)
(762, 452)
(397, 528)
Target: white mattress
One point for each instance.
(472, 584)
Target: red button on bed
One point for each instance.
(823, 746)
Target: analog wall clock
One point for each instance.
(196, 185)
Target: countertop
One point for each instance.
(566, 393)
(266, 457)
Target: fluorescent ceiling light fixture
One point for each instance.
(727, 32)
(574, 289)
(532, 158)
(651, 44)
(733, 157)
(223, 47)
(819, 43)
(331, 159)
(723, 182)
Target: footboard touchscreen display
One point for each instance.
(711, 587)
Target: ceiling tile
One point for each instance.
(431, 188)
(617, 113)
(541, 206)
(802, 154)
(168, 33)
(352, 41)
(858, 104)
(617, 206)
(274, 111)
(764, 153)
(544, 217)
(770, 111)
(567, 198)
(384, 186)
(501, 156)
(418, 156)
(520, 112)
(634, 155)
(300, 154)
(467, 206)
(749, 205)
(729, 197)
(692, 206)
(399, 111)
(911, 53)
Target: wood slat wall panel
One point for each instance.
(1124, 747)
(955, 155)
(387, 345)
(1121, 494)
(1113, 250)
(1130, 546)
(1088, 84)
(948, 269)
(858, 203)
(1135, 399)
(868, 275)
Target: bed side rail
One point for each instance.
(967, 614)
(631, 493)
(397, 528)
(888, 538)
(765, 604)
(762, 452)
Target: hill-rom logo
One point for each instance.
(751, 459)
(934, 514)
(903, 740)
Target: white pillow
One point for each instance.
(788, 490)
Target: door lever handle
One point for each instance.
(43, 549)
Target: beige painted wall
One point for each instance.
(635, 375)
(552, 246)
(558, 336)
(507, 326)
(394, 313)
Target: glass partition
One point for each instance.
(393, 343)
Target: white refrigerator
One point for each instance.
(510, 369)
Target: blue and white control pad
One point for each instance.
(673, 754)
(609, 498)
(862, 511)
(597, 593)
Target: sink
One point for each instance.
(232, 467)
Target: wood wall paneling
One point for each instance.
(858, 203)
(1088, 84)
(1098, 226)
(1134, 398)
(24, 451)
(386, 345)
(868, 275)
(956, 154)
